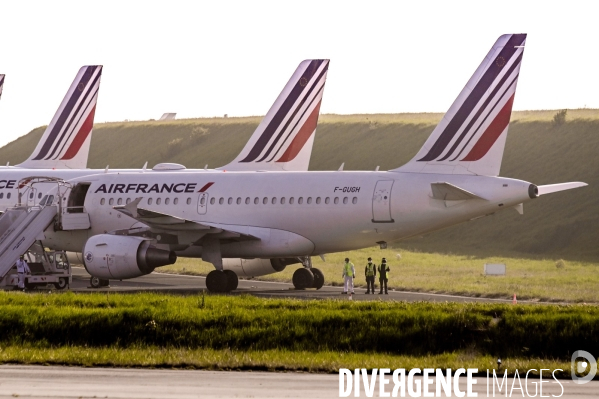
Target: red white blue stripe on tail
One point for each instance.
(65, 143)
(284, 138)
(471, 136)
(1, 83)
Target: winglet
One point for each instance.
(284, 138)
(65, 143)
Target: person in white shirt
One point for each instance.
(22, 270)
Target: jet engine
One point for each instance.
(257, 267)
(110, 256)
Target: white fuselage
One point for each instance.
(287, 213)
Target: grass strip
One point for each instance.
(255, 324)
(270, 360)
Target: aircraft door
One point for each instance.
(31, 196)
(203, 203)
(381, 202)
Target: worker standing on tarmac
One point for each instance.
(22, 269)
(348, 273)
(370, 273)
(383, 275)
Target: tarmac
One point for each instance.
(75, 382)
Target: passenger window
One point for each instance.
(111, 201)
(230, 201)
(167, 201)
(212, 201)
(355, 200)
(8, 196)
(291, 200)
(238, 200)
(158, 201)
(39, 196)
(221, 201)
(30, 195)
(102, 201)
(318, 200)
(345, 200)
(202, 201)
(247, 200)
(282, 200)
(128, 200)
(309, 200)
(149, 201)
(176, 201)
(300, 200)
(1, 195)
(274, 200)
(256, 200)
(265, 201)
(189, 201)
(336, 201)
(327, 200)
(119, 201)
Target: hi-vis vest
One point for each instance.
(370, 269)
(348, 270)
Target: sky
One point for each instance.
(210, 58)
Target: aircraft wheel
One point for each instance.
(61, 284)
(217, 281)
(232, 280)
(95, 282)
(318, 278)
(302, 279)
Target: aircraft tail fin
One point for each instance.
(284, 138)
(470, 138)
(65, 143)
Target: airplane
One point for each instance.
(140, 221)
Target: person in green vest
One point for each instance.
(348, 273)
(383, 275)
(370, 273)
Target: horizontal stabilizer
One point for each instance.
(448, 192)
(554, 188)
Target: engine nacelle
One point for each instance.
(110, 256)
(257, 267)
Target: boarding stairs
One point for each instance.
(20, 227)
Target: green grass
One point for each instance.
(563, 225)
(531, 279)
(254, 324)
(269, 360)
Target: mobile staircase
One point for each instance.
(22, 226)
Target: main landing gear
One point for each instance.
(307, 276)
(221, 281)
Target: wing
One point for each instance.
(161, 222)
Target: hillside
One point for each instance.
(563, 225)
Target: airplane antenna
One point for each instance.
(8, 163)
(144, 167)
(376, 169)
(341, 167)
(106, 170)
(206, 167)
